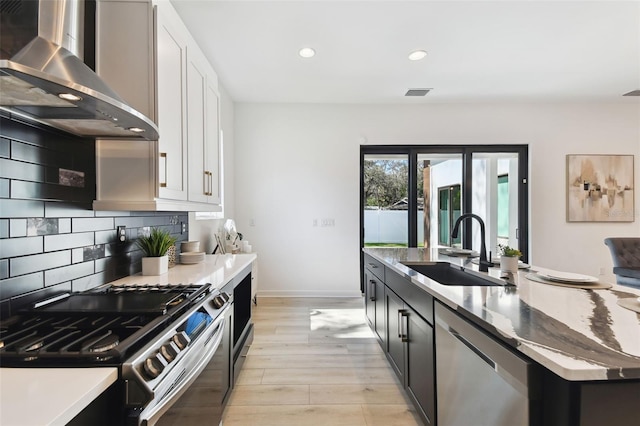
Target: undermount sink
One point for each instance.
(447, 274)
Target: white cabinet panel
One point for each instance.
(145, 52)
(171, 52)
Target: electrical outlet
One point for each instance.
(183, 227)
(315, 222)
(252, 222)
(121, 233)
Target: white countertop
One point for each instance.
(54, 396)
(217, 269)
(578, 334)
(49, 396)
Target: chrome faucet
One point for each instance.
(484, 262)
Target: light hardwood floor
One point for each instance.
(314, 361)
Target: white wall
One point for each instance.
(300, 162)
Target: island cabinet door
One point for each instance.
(420, 369)
(380, 325)
(370, 298)
(395, 333)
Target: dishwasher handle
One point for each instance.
(474, 349)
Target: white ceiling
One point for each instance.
(478, 51)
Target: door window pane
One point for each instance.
(386, 215)
(448, 212)
(495, 198)
(439, 197)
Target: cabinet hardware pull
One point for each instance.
(210, 183)
(372, 290)
(373, 265)
(473, 348)
(400, 324)
(164, 184)
(405, 330)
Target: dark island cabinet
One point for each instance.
(374, 290)
(401, 316)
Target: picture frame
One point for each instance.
(600, 188)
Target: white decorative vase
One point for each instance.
(155, 265)
(509, 264)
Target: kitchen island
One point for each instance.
(586, 345)
(55, 396)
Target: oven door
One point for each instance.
(198, 394)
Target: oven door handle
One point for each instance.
(152, 415)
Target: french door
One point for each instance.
(412, 195)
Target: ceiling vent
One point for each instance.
(633, 93)
(417, 92)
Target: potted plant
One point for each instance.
(509, 258)
(155, 247)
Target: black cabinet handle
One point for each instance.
(373, 265)
(372, 290)
(404, 327)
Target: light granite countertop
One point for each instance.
(577, 334)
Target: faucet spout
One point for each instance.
(484, 262)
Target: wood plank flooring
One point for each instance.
(314, 361)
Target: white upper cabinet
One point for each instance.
(203, 130)
(171, 59)
(145, 52)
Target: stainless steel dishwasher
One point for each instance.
(479, 381)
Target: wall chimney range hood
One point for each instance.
(46, 81)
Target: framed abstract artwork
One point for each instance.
(600, 188)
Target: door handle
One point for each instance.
(164, 184)
(473, 348)
(404, 326)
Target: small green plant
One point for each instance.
(156, 243)
(507, 251)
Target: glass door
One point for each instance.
(495, 198)
(386, 200)
(411, 196)
(439, 194)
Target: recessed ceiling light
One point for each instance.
(416, 55)
(307, 52)
(69, 97)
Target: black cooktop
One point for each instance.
(115, 302)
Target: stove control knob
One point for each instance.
(153, 366)
(218, 302)
(169, 351)
(181, 340)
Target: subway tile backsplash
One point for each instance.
(51, 240)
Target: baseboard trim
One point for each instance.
(290, 293)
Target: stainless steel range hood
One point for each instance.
(45, 82)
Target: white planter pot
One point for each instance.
(155, 265)
(509, 264)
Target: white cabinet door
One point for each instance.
(213, 143)
(196, 90)
(171, 59)
(203, 129)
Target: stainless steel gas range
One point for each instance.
(161, 339)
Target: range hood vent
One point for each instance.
(49, 84)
